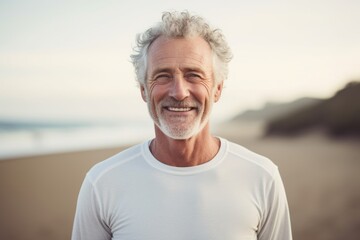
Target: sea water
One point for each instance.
(19, 142)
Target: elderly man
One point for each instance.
(185, 183)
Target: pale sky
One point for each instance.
(70, 59)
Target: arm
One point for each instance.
(88, 223)
(276, 222)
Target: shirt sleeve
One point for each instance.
(88, 223)
(276, 222)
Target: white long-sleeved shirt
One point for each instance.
(237, 195)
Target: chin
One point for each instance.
(177, 133)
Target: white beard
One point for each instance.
(175, 131)
(181, 128)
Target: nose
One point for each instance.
(179, 88)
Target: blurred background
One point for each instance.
(68, 99)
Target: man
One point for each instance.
(185, 183)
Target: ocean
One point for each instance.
(20, 140)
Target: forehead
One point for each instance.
(179, 52)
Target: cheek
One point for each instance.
(208, 87)
(204, 92)
(156, 92)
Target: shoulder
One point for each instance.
(251, 158)
(116, 161)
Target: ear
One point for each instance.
(143, 92)
(218, 90)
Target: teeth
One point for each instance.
(179, 109)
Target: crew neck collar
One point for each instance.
(218, 158)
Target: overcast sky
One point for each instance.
(70, 59)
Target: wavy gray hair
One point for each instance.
(182, 24)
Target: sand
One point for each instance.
(38, 194)
(321, 176)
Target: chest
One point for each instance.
(161, 207)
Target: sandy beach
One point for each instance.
(38, 194)
(321, 176)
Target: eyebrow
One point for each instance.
(192, 69)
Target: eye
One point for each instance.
(162, 78)
(193, 76)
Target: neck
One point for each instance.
(185, 153)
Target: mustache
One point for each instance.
(171, 102)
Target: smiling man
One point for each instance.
(180, 91)
(185, 183)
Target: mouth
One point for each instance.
(179, 109)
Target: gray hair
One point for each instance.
(182, 24)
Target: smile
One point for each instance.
(179, 109)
